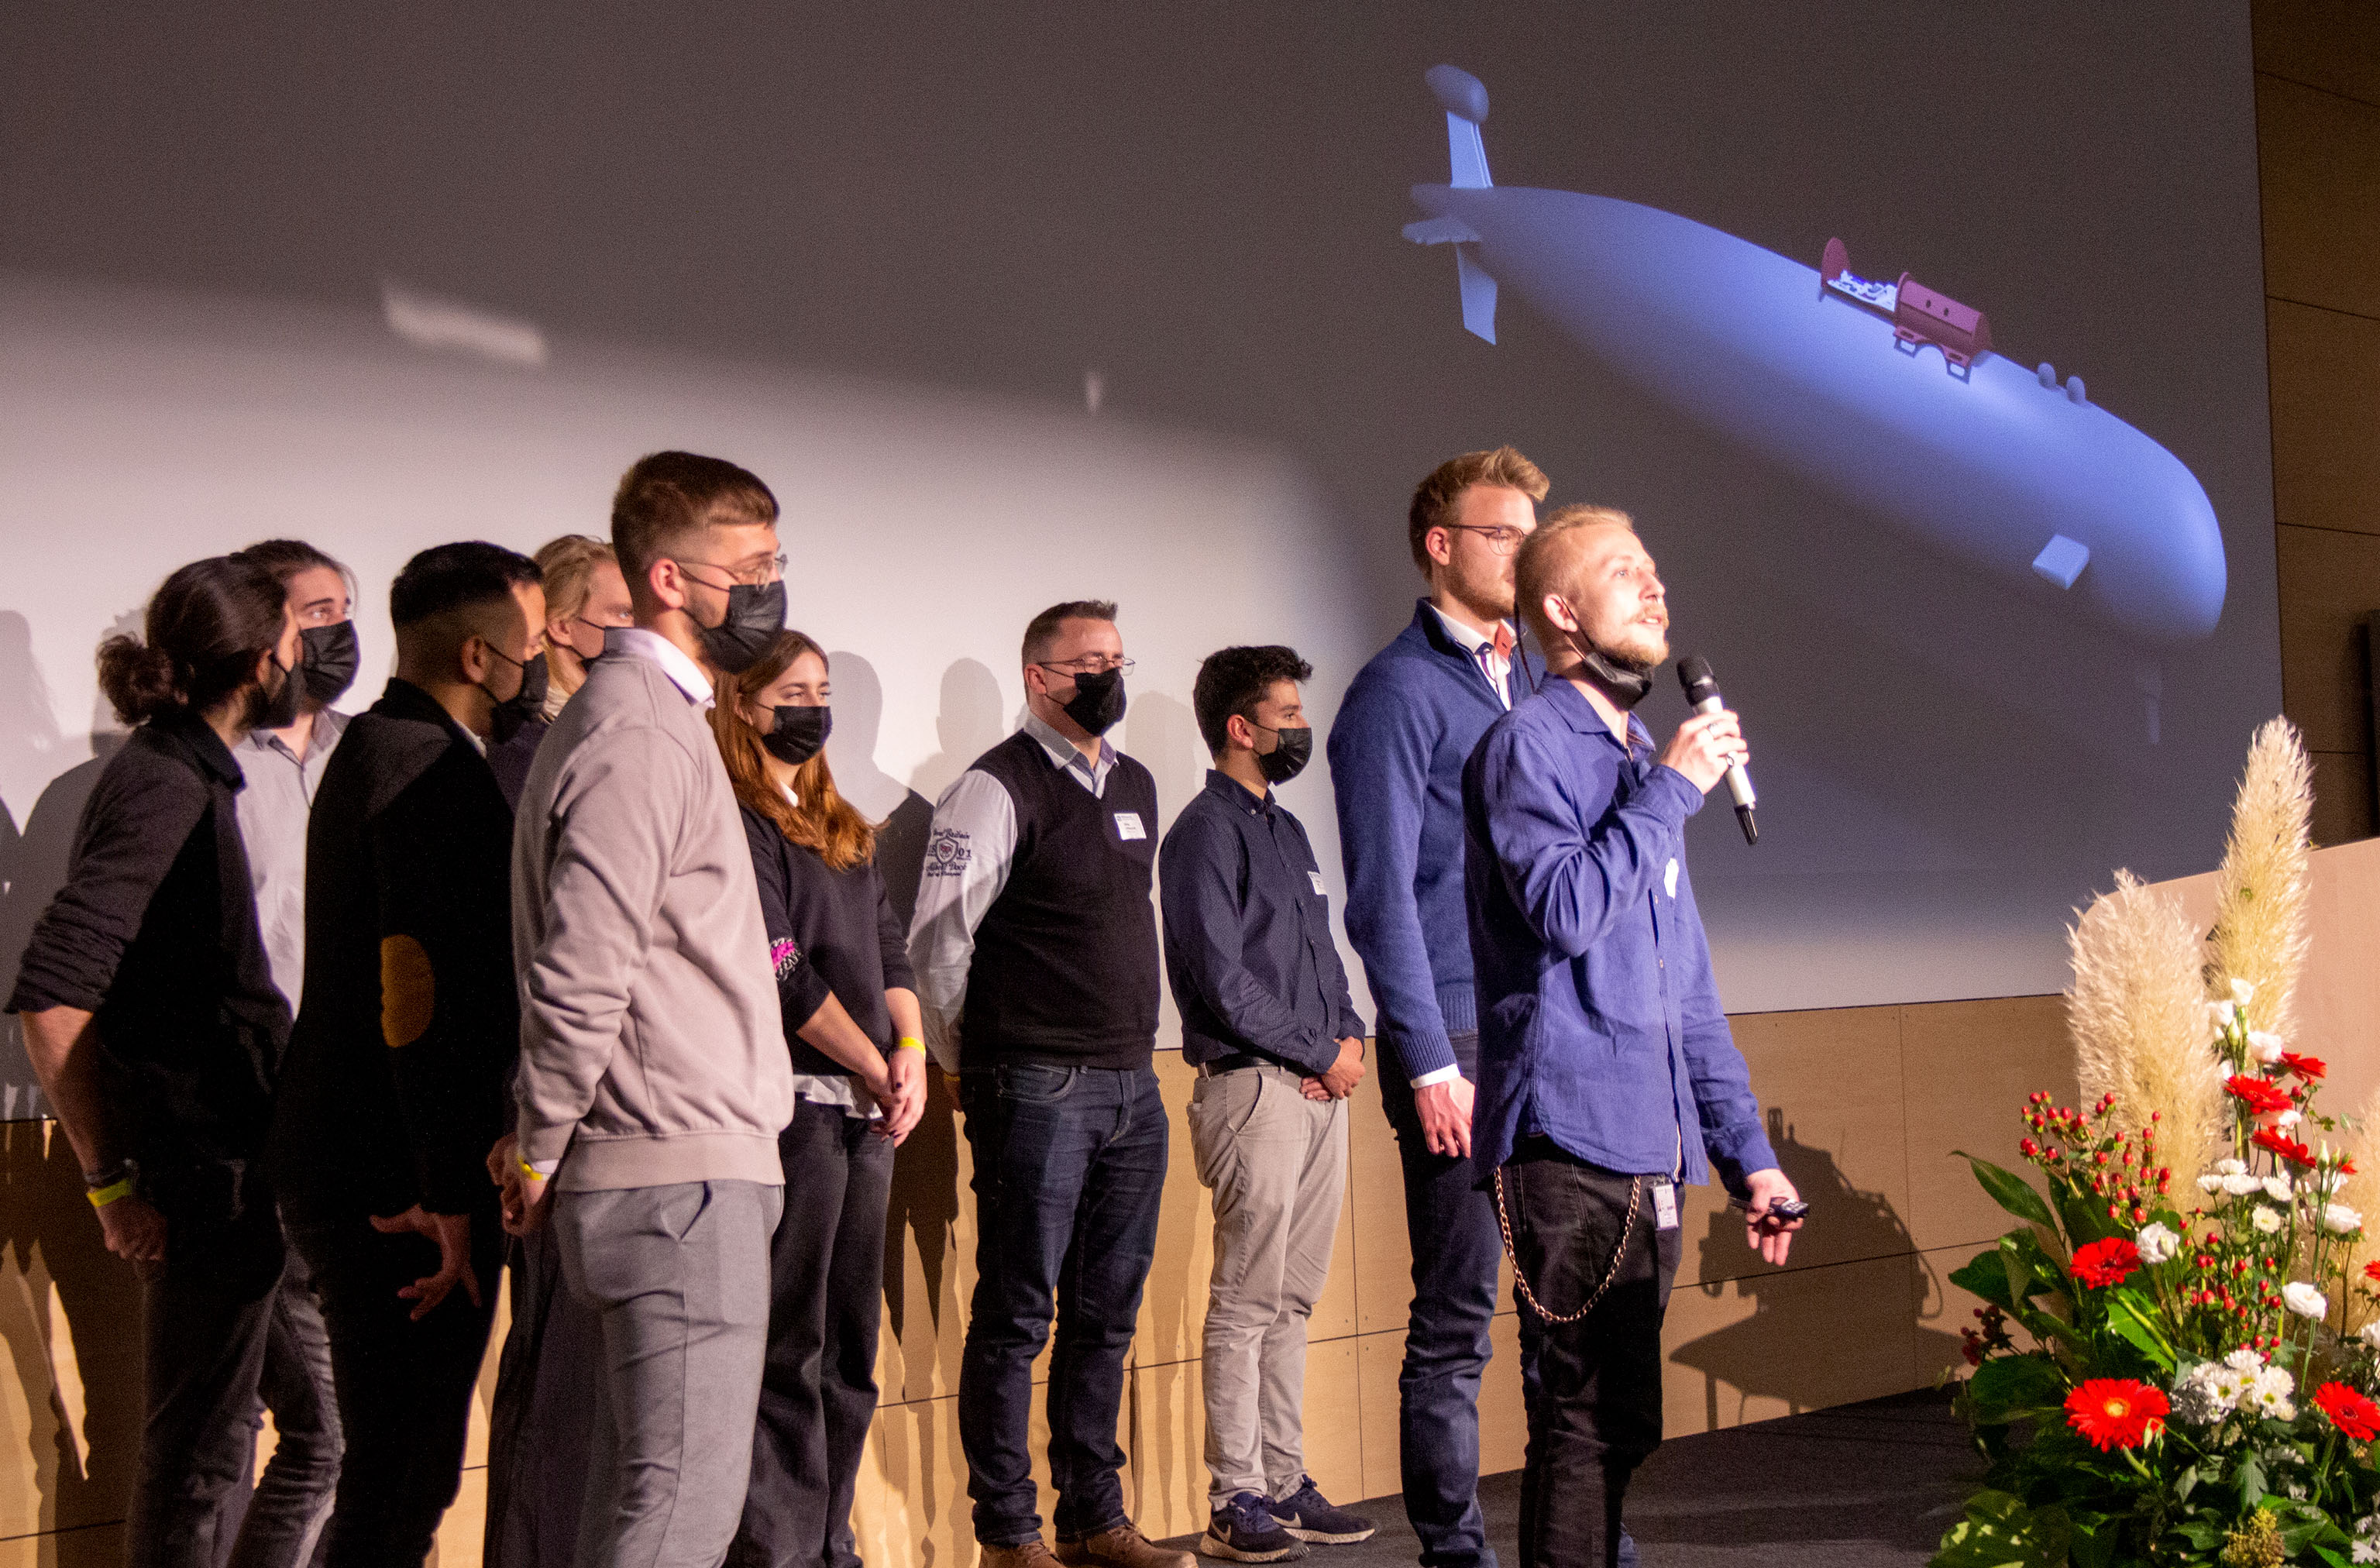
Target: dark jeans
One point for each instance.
(1452, 1224)
(1069, 1163)
(1598, 1413)
(404, 1388)
(231, 1321)
(818, 1388)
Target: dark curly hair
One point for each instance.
(1233, 680)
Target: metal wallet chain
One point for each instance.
(1619, 1254)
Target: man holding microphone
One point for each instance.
(1607, 1074)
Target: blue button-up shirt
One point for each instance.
(1247, 934)
(1599, 1021)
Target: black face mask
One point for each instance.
(755, 616)
(1292, 751)
(524, 707)
(328, 658)
(798, 734)
(277, 709)
(1097, 701)
(1624, 680)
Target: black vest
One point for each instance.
(1065, 966)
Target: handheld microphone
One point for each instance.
(1702, 695)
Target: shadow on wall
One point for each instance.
(1848, 1226)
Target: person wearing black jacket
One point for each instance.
(394, 1090)
(851, 1022)
(153, 1024)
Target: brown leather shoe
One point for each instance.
(1121, 1547)
(1024, 1555)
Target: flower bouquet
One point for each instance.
(2176, 1356)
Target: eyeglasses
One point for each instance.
(773, 571)
(1500, 539)
(1090, 664)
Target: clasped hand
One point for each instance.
(1706, 746)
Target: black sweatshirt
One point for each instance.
(394, 1089)
(829, 930)
(156, 934)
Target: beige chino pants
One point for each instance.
(1277, 1165)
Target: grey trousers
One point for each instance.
(679, 1277)
(1277, 1163)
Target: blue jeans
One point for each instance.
(1451, 1223)
(1069, 1163)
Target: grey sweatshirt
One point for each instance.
(652, 1050)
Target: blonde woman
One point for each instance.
(585, 597)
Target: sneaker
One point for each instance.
(1306, 1515)
(1244, 1530)
(1119, 1546)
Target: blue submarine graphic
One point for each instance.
(1828, 372)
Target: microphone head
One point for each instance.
(1694, 674)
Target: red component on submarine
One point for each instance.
(1919, 315)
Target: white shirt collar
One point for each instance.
(1470, 641)
(683, 672)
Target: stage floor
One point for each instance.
(1859, 1486)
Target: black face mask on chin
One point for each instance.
(1097, 701)
(796, 735)
(524, 707)
(1292, 750)
(1623, 679)
(328, 658)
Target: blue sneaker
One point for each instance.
(1306, 1515)
(1244, 1530)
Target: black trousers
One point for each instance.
(818, 1388)
(404, 1387)
(1598, 1410)
(230, 1323)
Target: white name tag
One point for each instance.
(1317, 880)
(1665, 1197)
(1670, 880)
(1128, 826)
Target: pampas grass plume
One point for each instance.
(2260, 889)
(2137, 1012)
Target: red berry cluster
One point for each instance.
(2082, 1151)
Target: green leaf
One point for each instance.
(2009, 1386)
(2250, 1479)
(2000, 1531)
(2095, 1541)
(1986, 1276)
(2132, 1318)
(2010, 1191)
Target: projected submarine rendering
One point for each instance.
(1889, 394)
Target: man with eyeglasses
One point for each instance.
(1397, 749)
(653, 1078)
(1034, 948)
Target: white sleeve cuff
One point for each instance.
(545, 1167)
(1447, 1074)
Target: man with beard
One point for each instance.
(1034, 950)
(1397, 750)
(1603, 1043)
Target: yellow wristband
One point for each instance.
(531, 1172)
(910, 1042)
(102, 1196)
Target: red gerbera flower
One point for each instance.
(2105, 1262)
(2280, 1143)
(2372, 1271)
(2303, 1066)
(2260, 1095)
(2348, 1411)
(2116, 1412)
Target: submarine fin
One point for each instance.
(2062, 560)
(1479, 295)
(1464, 99)
(1440, 231)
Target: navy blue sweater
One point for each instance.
(1397, 750)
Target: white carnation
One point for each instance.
(2286, 1118)
(2266, 1220)
(2265, 1046)
(2220, 1014)
(2230, 1167)
(2241, 1185)
(2278, 1187)
(2304, 1300)
(2339, 1220)
(2242, 992)
(2210, 1182)
(2156, 1243)
(2370, 1333)
(2244, 1361)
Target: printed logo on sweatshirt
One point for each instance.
(947, 853)
(783, 956)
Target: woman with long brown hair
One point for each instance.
(851, 1021)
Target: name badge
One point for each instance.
(1317, 880)
(1128, 826)
(1670, 879)
(1665, 1198)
